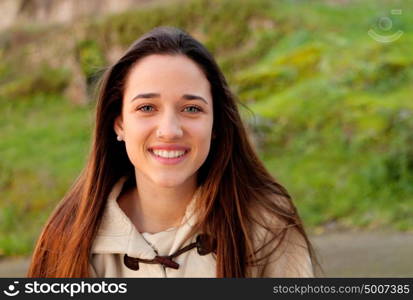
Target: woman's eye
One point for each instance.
(192, 109)
(146, 108)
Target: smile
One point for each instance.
(168, 156)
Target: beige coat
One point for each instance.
(117, 236)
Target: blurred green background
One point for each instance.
(330, 105)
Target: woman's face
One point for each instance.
(166, 120)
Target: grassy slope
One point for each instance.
(333, 110)
(338, 117)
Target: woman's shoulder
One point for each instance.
(271, 212)
(280, 244)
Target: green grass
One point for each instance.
(43, 145)
(333, 115)
(336, 109)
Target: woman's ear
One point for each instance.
(118, 127)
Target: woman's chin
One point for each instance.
(169, 182)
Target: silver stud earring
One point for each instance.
(119, 138)
(158, 134)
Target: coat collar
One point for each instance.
(118, 235)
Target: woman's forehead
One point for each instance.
(166, 73)
(157, 71)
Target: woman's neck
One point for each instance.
(152, 208)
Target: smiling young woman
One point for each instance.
(172, 186)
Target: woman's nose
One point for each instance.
(169, 127)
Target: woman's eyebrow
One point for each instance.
(157, 95)
(146, 96)
(193, 97)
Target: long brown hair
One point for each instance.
(232, 180)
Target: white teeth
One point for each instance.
(168, 154)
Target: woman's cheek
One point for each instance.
(202, 131)
(137, 134)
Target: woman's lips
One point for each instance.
(168, 160)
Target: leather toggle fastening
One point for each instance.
(204, 244)
(167, 262)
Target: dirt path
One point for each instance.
(366, 254)
(342, 254)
